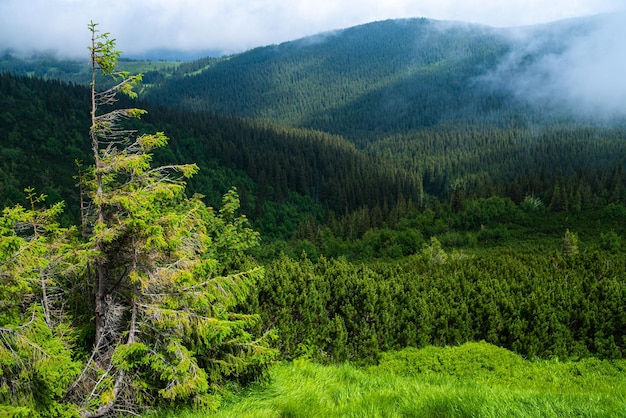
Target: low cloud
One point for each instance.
(236, 25)
(575, 67)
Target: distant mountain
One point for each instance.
(354, 124)
(164, 54)
(395, 76)
(49, 65)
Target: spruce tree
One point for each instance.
(36, 362)
(570, 243)
(165, 270)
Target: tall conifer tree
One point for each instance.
(165, 269)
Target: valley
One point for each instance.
(424, 200)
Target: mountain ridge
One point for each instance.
(348, 132)
(393, 75)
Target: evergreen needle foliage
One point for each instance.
(445, 214)
(145, 292)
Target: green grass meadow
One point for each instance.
(471, 380)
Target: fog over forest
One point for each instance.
(584, 73)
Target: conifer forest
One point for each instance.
(373, 222)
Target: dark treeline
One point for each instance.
(44, 127)
(581, 166)
(286, 175)
(282, 161)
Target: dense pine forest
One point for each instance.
(373, 193)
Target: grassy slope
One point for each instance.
(475, 379)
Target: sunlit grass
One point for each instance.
(473, 380)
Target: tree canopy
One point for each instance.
(148, 282)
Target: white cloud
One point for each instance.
(236, 25)
(584, 77)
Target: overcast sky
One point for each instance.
(232, 26)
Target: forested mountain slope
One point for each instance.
(387, 77)
(362, 79)
(434, 205)
(43, 130)
(408, 111)
(393, 76)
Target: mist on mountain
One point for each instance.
(573, 68)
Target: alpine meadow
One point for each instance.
(404, 218)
